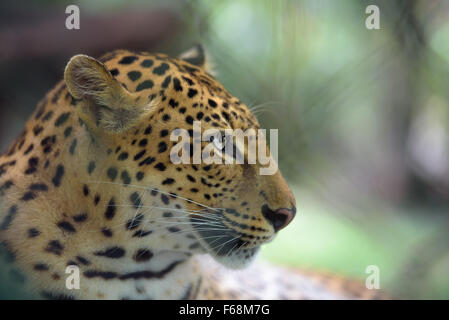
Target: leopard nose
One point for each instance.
(279, 218)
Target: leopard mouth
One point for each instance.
(225, 245)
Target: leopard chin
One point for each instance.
(226, 245)
(239, 259)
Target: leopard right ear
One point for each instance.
(106, 104)
(198, 57)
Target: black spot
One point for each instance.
(128, 60)
(142, 255)
(147, 84)
(37, 129)
(41, 267)
(29, 149)
(9, 218)
(41, 109)
(68, 131)
(134, 75)
(188, 80)
(167, 214)
(62, 118)
(83, 260)
(149, 274)
(194, 246)
(141, 233)
(182, 110)
(8, 184)
(135, 200)
(160, 70)
(57, 94)
(177, 84)
(143, 142)
(139, 175)
(148, 160)
(73, 146)
(123, 156)
(160, 166)
(164, 133)
(106, 232)
(91, 167)
(80, 217)
(66, 226)
(85, 190)
(225, 115)
(134, 222)
(39, 187)
(192, 179)
(173, 103)
(112, 173)
(30, 170)
(166, 117)
(148, 130)
(47, 116)
(32, 162)
(114, 72)
(168, 181)
(166, 81)
(212, 103)
(54, 246)
(110, 210)
(162, 147)
(192, 92)
(199, 115)
(147, 63)
(32, 233)
(164, 199)
(106, 275)
(58, 176)
(47, 143)
(112, 252)
(125, 177)
(28, 196)
(189, 119)
(139, 155)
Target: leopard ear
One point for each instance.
(198, 57)
(105, 103)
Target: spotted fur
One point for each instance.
(89, 183)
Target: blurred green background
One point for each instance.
(362, 114)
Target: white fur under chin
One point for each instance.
(236, 261)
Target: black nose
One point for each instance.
(279, 218)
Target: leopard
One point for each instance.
(89, 191)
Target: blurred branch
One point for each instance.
(97, 34)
